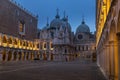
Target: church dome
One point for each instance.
(83, 28)
(55, 23)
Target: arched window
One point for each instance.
(27, 44)
(4, 40)
(83, 48)
(65, 51)
(24, 43)
(51, 45)
(38, 45)
(21, 27)
(44, 45)
(15, 42)
(52, 34)
(10, 41)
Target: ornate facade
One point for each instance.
(107, 37)
(18, 31)
(61, 44)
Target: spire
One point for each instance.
(65, 17)
(57, 15)
(47, 21)
(83, 22)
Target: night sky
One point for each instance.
(75, 9)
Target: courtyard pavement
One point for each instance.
(46, 70)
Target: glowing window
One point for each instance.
(22, 27)
(10, 41)
(44, 45)
(4, 39)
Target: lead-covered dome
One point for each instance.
(83, 28)
(56, 23)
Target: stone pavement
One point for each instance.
(44, 70)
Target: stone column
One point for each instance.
(116, 53)
(107, 61)
(12, 56)
(111, 60)
(6, 58)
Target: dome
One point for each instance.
(56, 23)
(83, 28)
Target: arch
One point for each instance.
(10, 40)
(15, 41)
(4, 39)
(112, 31)
(51, 57)
(4, 55)
(31, 56)
(27, 43)
(15, 56)
(24, 43)
(9, 56)
(20, 42)
(27, 55)
(19, 55)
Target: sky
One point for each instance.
(75, 9)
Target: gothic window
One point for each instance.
(44, 45)
(65, 51)
(10, 41)
(87, 47)
(83, 48)
(27, 44)
(23, 43)
(21, 27)
(51, 45)
(38, 45)
(20, 43)
(15, 41)
(4, 39)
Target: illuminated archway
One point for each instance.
(10, 40)
(4, 39)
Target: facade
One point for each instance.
(108, 37)
(18, 31)
(59, 43)
(84, 42)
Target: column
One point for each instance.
(12, 56)
(116, 53)
(107, 61)
(111, 60)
